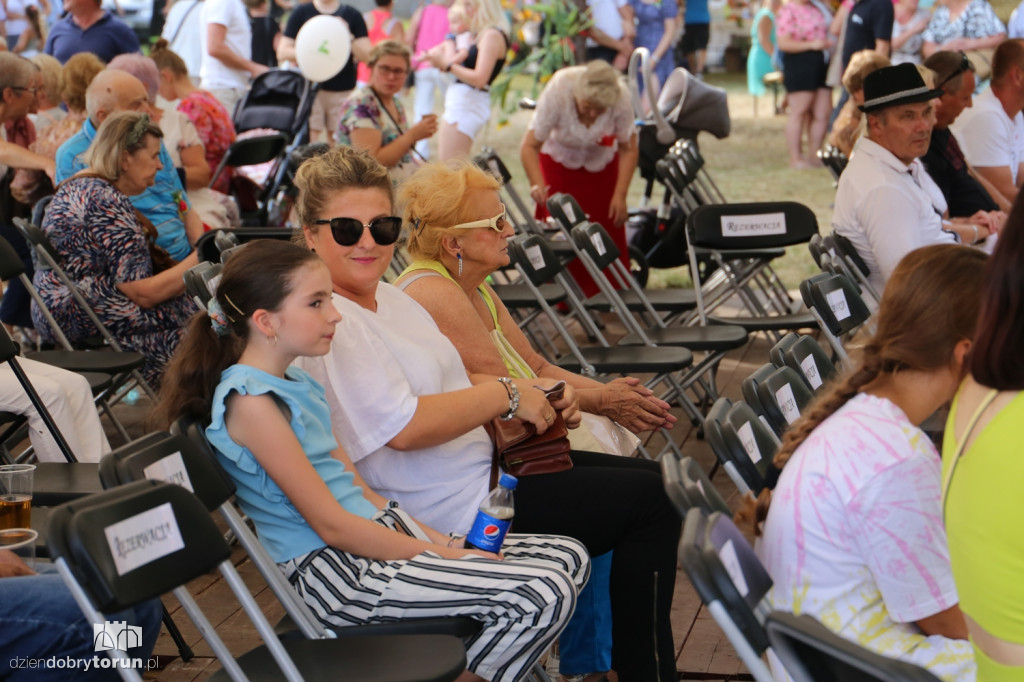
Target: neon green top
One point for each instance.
(514, 363)
(984, 512)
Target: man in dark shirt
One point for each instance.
(89, 28)
(964, 191)
(869, 27)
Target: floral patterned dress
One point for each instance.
(101, 244)
(213, 123)
(363, 110)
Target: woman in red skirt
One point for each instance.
(582, 141)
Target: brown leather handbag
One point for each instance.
(519, 451)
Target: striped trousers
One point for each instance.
(522, 602)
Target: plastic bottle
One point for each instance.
(494, 518)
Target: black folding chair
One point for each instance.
(839, 309)
(810, 652)
(811, 362)
(784, 395)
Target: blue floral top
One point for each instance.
(363, 110)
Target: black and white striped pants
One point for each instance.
(523, 602)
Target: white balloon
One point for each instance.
(322, 47)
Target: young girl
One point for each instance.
(854, 535)
(353, 555)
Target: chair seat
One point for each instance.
(771, 323)
(103, 361)
(631, 360)
(461, 627)
(377, 658)
(666, 300)
(55, 483)
(520, 296)
(98, 381)
(714, 338)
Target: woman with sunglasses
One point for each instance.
(373, 119)
(412, 419)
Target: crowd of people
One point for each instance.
(352, 414)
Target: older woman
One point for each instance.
(467, 103)
(847, 128)
(75, 78)
(965, 25)
(373, 119)
(412, 419)
(581, 141)
(801, 30)
(108, 249)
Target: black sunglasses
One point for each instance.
(348, 231)
(965, 65)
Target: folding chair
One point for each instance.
(688, 486)
(841, 247)
(749, 386)
(750, 447)
(212, 244)
(839, 309)
(810, 652)
(809, 360)
(601, 258)
(835, 160)
(48, 257)
(731, 582)
(777, 352)
(784, 395)
(723, 231)
(537, 264)
(183, 544)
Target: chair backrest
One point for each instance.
(839, 304)
(135, 542)
(778, 351)
(784, 395)
(211, 244)
(699, 488)
(845, 248)
(200, 281)
(172, 458)
(595, 241)
(749, 386)
(39, 209)
(672, 478)
(805, 286)
(730, 581)
(751, 225)
(751, 445)
(810, 361)
(532, 255)
(566, 210)
(810, 652)
(816, 248)
(489, 161)
(11, 266)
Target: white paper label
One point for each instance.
(758, 225)
(811, 371)
(536, 256)
(787, 403)
(598, 243)
(837, 302)
(700, 487)
(495, 169)
(144, 538)
(570, 213)
(746, 434)
(170, 469)
(731, 562)
(212, 284)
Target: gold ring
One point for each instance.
(549, 419)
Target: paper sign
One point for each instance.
(746, 434)
(144, 538)
(837, 302)
(495, 169)
(212, 284)
(731, 562)
(570, 213)
(787, 403)
(758, 225)
(700, 487)
(598, 243)
(536, 256)
(811, 371)
(170, 469)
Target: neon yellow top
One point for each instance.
(984, 513)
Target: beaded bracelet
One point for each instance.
(513, 399)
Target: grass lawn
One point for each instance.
(749, 165)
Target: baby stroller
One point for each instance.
(272, 121)
(685, 107)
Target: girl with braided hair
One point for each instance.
(853, 535)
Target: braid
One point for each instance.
(754, 511)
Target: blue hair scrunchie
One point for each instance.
(218, 318)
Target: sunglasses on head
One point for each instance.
(965, 65)
(348, 231)
(497, 223)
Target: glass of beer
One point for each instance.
(22, 542)
(16, 495)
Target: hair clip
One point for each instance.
(219, 320)
(137, 131)
(232, 304)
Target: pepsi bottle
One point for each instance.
(494, 517)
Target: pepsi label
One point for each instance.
(487, 533)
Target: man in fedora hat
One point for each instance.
(886, 204)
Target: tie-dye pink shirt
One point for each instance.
(854, 536)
